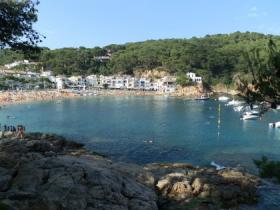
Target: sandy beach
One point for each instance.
(11, 97)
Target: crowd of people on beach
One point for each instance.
(8, 97)
(19, 130)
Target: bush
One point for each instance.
(268, 168)
(183, 81)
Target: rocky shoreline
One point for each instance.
(46, 171)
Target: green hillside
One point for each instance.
(215, 57)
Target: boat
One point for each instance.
(223, 98)
(238, 108)
(274, 125)
(203, 97)
(251, 115)
(256, 106)
(234, 103)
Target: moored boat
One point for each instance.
(274, 125)
(251, 115)
(203, 97)
(234, 103)
(223, 98)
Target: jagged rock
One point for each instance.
(226, 188)
(162, 183)
(64, 181)
(45, 171)
(197, 185)
(181, 188)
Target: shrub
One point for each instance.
(268, 168)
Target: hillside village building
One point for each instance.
(194, 78)
(166, 84)
(16, 63)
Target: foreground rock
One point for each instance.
(47, 172)
(183, 185)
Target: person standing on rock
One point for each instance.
(20, 132)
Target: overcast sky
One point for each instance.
(90, 23)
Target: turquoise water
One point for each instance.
(181, 130)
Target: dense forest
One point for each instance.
(215, 57)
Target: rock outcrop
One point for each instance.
(48, 172)
(182, 184)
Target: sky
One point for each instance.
(91, 23)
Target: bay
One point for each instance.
(153, 129)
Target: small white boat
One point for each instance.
(253, 112)
(223, 98)
(278, 107)
(255, 106)
(203, 97)
(274, 125)
(234, 103)
(252, 115)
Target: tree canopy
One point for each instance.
(263, 83)
(16, 24)
(217, 58)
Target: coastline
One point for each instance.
(24, 96)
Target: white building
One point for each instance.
(16, 63)
(117, 82)
(155, 85)
(46, 73)
(93, 80)
(105, 80)
(31, 74)
(167, 84)
(194, 78)
(77, 81)
(52, 78)
(130, 82)
(61, 82)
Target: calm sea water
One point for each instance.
(180, 130)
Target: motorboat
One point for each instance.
(274, 125)
(251, 115)
(223, 98)
(234, 103)
(256, 106)
(203, 97)
(253, 112)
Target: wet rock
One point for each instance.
(209, 188)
